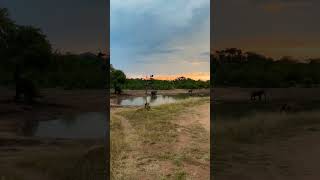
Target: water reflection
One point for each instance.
(153, 100)
(85, 125)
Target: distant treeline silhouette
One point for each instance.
(233, 67)
(29, 48)
(179, 83)
(119, 81)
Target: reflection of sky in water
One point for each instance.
(86, 125)
(159, 100)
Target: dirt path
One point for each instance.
(195, 136)
(204, 116)
(188, 157)
(130, 164)
(295, 158)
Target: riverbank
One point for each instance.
(39, 158)
(115, 100)
(127, 92)
(170, 141)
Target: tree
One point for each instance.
(24, 45)
(117, 79)
(7, 27)
(31, 47)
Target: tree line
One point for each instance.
(179, 83)
(119, 81)
(28, 47)
(234, 67)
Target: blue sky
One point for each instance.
(160, 37)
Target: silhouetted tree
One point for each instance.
(117, 79)
(6, 26)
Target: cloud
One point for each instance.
(153, 32)
(154, 23)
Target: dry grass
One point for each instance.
(119, 151)
(152, 154)
(260, 126)
(234, 138)
(158, 124)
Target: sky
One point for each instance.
(274, 28)
(161, 38)
(71, 26)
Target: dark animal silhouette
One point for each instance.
(153, 93)
(259, 94)
(290, 108)
(117, 90)
(190, 91)
(25, 88)
(147, 106)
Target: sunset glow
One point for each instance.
(155, 38)
(204, 76)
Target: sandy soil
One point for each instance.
(197, 116)
(295, 158)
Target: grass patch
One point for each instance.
(9, 175)
(260, 126)
(234, 137)
(157, 132)
(158, 124)
(180, 175)
(119, 151)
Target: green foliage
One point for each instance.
(139, 84)
(117, 79)
(6, 26)
(75, 71)
(253, 70)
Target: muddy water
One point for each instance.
(84, 125)
(154, 101)
(87, 125)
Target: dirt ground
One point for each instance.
(293, 155)
(193, 127)
(199, 115)
(293, 158)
